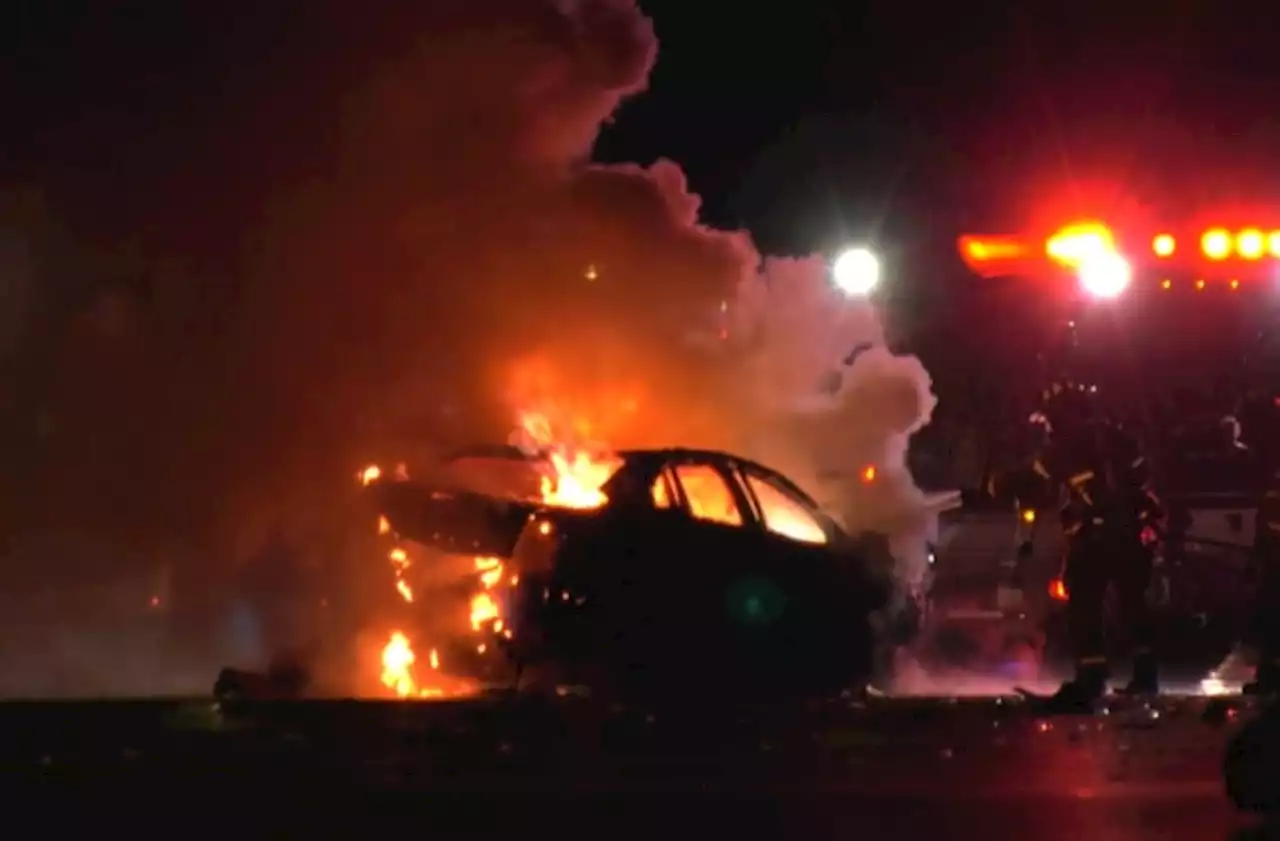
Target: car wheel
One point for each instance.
(1250, 764)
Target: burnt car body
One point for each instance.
(701, 573)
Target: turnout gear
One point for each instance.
(1098, 475)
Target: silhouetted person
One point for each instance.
(1108, 512)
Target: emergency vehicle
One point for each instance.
(1172, 324)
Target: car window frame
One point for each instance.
(788, 489)
(675, 493)
(746, 512)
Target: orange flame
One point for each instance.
(574, 478)
(399, 661)
(576, 473)
(397, 668)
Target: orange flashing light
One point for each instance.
(1235, 284)
(1028, 515)
(869, 474)
(981, 249)
(1216, 244)
(1166, 284)
(1058, 590)
(1199, 285)
(1077, 242)
(1164, 245)
(992, 256)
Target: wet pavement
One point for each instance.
(890, 768)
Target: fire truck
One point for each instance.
(1171, 325)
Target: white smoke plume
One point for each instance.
(834, 408)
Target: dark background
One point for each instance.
(803, 121)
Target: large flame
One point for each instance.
(398, 657)
(401, 671)
(575, 471)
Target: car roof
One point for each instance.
(718, 456)
(638, 458)
(507, 451)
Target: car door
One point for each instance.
(698, 547)
(712, 529)
(802, 548)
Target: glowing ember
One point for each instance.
(400, 564)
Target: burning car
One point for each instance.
(649, 571)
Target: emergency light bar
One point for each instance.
(1103, 262)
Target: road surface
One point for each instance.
(897, 769)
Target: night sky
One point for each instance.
(803, 120)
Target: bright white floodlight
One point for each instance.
(856, 271)
(1105, 275)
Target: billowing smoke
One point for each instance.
(458, 257)
(833, 407)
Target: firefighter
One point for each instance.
(1109, 516)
